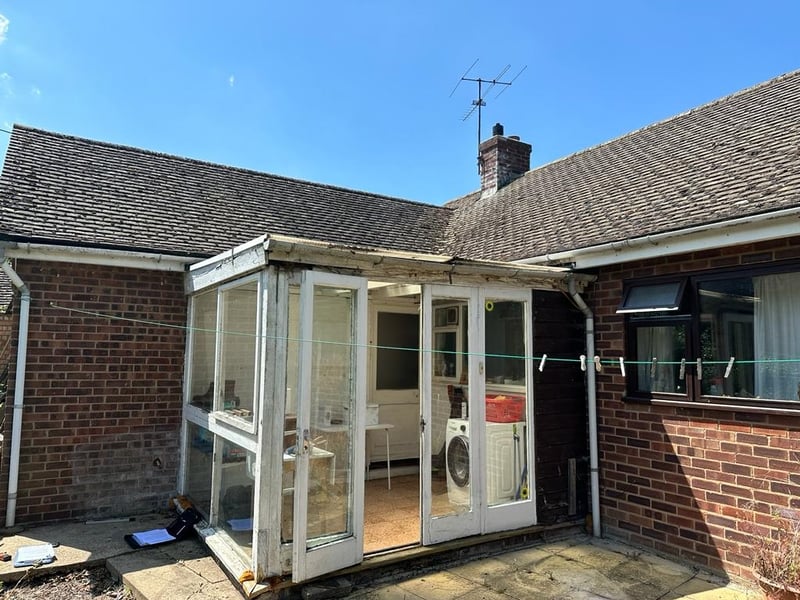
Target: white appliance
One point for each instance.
(457, 461)
(505, 459)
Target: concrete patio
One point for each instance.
(568, 564)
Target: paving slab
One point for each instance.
(177, 571)
(80, 544)
(576, 567)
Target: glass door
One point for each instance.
(508, 426)
(451, 363)
(328, 457)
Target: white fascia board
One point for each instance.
(98, 256)
(747, 230)
(227, 265)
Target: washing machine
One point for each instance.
(457, 461)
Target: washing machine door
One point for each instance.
(458, 460)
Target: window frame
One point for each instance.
(690, 312)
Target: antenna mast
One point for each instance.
(480, 102)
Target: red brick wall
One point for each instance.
(690, 481)
(102, 416)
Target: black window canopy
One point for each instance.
(656, 297)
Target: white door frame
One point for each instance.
(341, 553)
(447, 527)
(481, 518)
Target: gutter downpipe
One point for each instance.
(591, 392)
(19, 389)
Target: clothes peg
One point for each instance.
(653, 366)
(597, 366)
(583, 362)
(699, 369)
(682, 372)
(622, 365)
(729, 367)
(541, 362)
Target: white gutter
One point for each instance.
(98, 256)
(19, 389)
(591, 392)
(744, 230)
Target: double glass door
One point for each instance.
(476, 425)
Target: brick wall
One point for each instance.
(690, 482)
(102, 414)
(559, 401)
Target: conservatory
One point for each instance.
(343, 401)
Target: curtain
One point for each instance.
(659, 343)
(776, 324)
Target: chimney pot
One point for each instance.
(497, 129)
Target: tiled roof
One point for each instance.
(734, 157)
(66, 190)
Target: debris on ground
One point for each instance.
(86, 584)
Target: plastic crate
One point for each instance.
(505, 409)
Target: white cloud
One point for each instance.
(35, 91)
(3, 28)
(231, 80)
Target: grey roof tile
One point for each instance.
(67, 190)
(733, 157)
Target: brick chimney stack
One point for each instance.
(502, 159)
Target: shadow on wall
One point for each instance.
(697, 483)
(560, 411)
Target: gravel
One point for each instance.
(74, 585)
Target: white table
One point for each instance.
(386, 427)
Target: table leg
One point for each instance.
(388, 462)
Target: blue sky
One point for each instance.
(358, 93)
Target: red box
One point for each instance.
(505, 409)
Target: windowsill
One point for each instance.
(711, 404)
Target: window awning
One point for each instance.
(656, 297)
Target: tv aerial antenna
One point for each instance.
(485, 86)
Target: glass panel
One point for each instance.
(235, 500)
(726, 329)
(450, 485)
(236, 389)
(752, 319)
(199, 462)
(290, 426)
(330, 484)
(776, 323)
(202, 351)
(506, 427)
(667, 344)
(397, 364)
(444, 346)
(644, 298)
